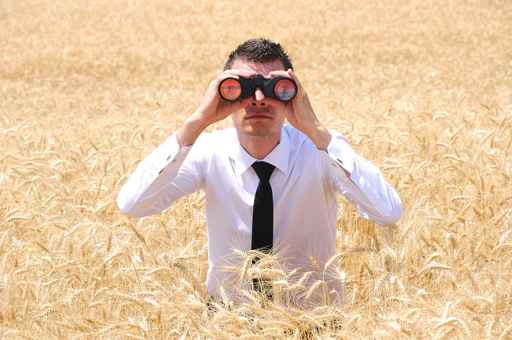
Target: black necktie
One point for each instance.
(263, 211)
(263, 222)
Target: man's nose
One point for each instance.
(258, 95)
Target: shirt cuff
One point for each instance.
(340, 151)
(168, 152)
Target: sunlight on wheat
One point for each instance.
(423, 89)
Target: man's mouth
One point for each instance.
(260, 113)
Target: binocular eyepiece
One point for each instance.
(280, 88)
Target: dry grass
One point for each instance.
(423, 88)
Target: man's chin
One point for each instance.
(258, 131)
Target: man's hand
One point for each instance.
(212, 109)
(300, 114)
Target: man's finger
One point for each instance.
(292, 75)
(279, 73)
(240, 72)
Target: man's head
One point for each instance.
(263, 117)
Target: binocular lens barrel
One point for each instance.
(285, 90)
(230, 89)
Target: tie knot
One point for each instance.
(263, 170)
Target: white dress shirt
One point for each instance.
(304, 185)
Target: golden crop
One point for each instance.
(88, 88)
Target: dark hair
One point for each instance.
(259, 50)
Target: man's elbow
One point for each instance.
(127, 206)
(393, 214)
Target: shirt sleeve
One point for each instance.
(168, 173)
(361, 183)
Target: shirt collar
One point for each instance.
(278, 157)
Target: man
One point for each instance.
(269, 186)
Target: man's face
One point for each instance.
(262, 116)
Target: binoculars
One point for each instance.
(280, 88)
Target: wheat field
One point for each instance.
(88, 88)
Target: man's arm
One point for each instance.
(356, 178)
(169, 172)
(361, 183)
(175, 168)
